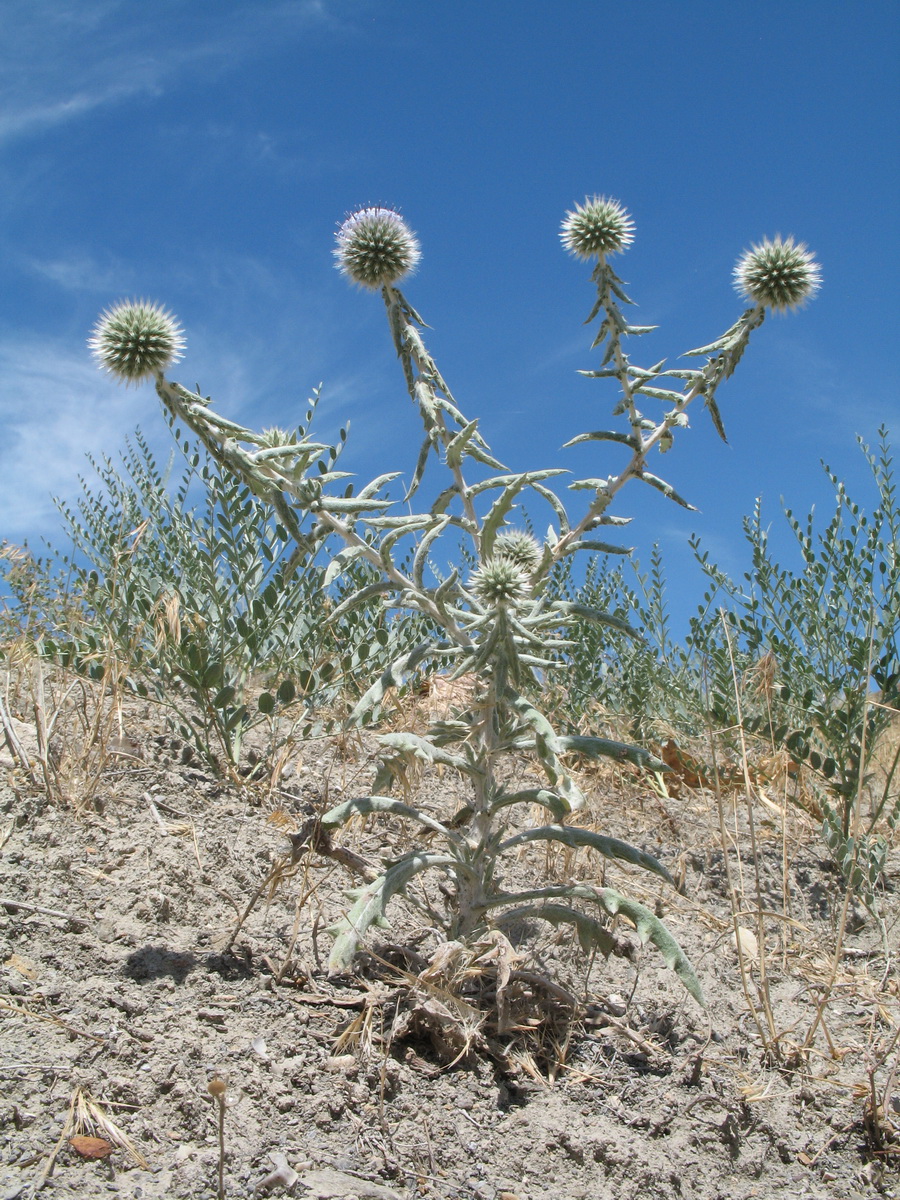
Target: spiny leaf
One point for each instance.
(605, 435)
(666, 489)
(591, 934)
(394, 676)
(570, 608)
(542, 796)
(575, 837)
(503, 504)
(422, 748)
(651, 929)
(371, 903)
(361, 805)
(594, 747)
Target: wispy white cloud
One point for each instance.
(33, 113)
(61, 61)
(55, 408)
(80, 272)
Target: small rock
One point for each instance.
(345, 1063)
(328, 1184)
(747, 942)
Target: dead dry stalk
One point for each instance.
(760, 1005)
(217, 1087)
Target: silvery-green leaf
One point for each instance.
(543, 797)
(422, 748)
(570, 608)
(532, 660)
(594, 312)
(725, 340)
(546, 746)
(504, 503)
(591, 934)
(718, 344)
(556, 504)
(602, 334)
(661, 394)
(684, 373)
(447, 588)
(478, 452)
(371, 903)
(377, 484)
(362, 805)
(408, 523)
(394, 676)
(396, 298)
(342, 504)
(598, 547)
(339, 563)
(607, 519)
(327, 478)
(604, 435)
(589, 485)
(421, 557)
(414, 342)
(457, 446)
(366, 593)
(425, 398)
(514, 480)
(647, 372)
(421, 464)
(710, 403)
(444, 498)
(651, 929)
(666, 489)
(594, 747)
(617, 290)
(575, 837)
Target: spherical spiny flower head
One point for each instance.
(499, 582)
(779, 274)
(135, 339)
(599, 226)
(519, 548)
(375, 247)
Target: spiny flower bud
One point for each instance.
(779, 274)
(599, 226)
(375, 247)
(135, 340)
(500, 582)
(275, 436)
(519, 548)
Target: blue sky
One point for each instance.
(201, 155)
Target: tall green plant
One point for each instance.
(195, 586)
(642, 685)
(497, 622)
(827, 629)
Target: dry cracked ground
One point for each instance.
(165, 931)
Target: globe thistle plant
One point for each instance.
(136, 340)
(599, 226)
(375, 247)
(502, 627)
(780, 274)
